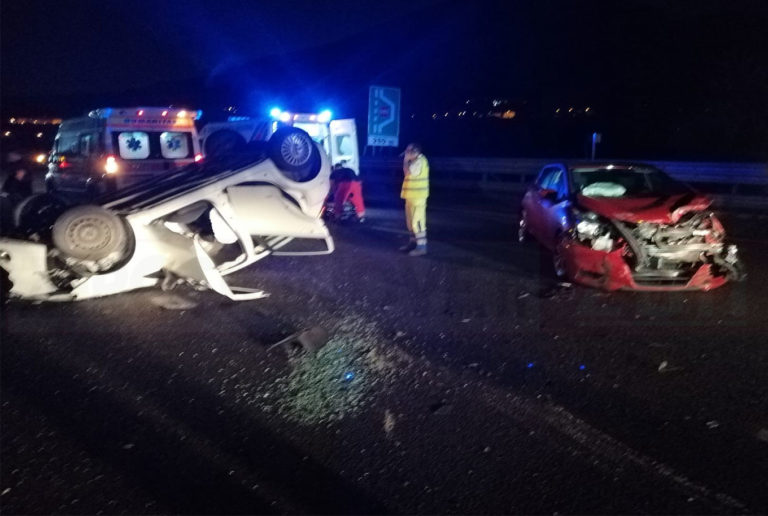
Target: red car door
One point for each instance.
(554, 205)
(533, 204)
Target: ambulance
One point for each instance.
(337, 137)
(112, 148)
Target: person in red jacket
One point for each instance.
(346, 187)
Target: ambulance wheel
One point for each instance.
(295, 153)
(223, 143)
(90, 233)
(37, 213)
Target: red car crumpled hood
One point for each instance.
(665, 209)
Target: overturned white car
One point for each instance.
(197, 224)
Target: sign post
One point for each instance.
(596, 138)
(383, 116)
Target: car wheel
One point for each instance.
(90, 233)
(37, 213)
(294, 152)
(558, 261)
(50, 186)
(5, 285)
(523, 235)
(224, 143)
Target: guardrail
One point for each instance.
(745, 184)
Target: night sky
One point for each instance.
(648, 64)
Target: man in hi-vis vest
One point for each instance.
(415, 192)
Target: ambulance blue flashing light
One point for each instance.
(325, 116)
(275, 112)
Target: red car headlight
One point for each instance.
(591, 230)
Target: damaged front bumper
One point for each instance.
(610, 270)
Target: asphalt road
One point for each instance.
(466, 381)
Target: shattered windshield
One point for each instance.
(624, 182)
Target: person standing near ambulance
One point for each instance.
(415, 192)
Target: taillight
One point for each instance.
(110, 165)
(198, 157)
(63, 163)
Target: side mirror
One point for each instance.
(548, 194)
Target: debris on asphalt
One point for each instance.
(547, 293)
(713, 424)
(389, 422)
(172, 302)
(441, 408)
(5, 491)
(762, 434)
(665, 368)
(466, 320)
(564, 284)
(556, 291)
(128, 446)
(309, 340)
(523, 295)
(340, 379)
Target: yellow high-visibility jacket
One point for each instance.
(416, 180)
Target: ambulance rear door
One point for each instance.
(344, 143)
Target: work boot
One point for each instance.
(410, 246)
(419, 250)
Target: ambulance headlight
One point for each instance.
(110, 166)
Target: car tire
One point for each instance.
(50, 186)
(295, 153)
(222, 144)
(523, 236)
(37, 213)
(558, 261)
(90, 233)
(5, 285)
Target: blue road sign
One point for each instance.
(383, 116)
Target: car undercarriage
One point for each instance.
(196, 225)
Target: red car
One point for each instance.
(627, 226)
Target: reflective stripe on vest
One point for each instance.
(417, 187)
